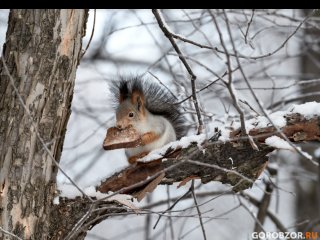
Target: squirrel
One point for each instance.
(150, 109)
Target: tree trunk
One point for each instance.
(41, 52)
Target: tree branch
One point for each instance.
(169, 35)
(247, 162)
(234, 162)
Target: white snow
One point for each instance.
(56, 200)
(225, 135)
(307, 155)
(308, 109)
(262, 122)
(278, 118)
(277, 142)
(186, 141)
(182, 143)
(280, 143)
(71, 192)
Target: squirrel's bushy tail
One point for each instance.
(157, 100)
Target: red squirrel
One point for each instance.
(151, 110)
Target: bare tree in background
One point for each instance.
(228, 70)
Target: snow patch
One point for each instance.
(307, 155)
(278, 143)
(184, 142)
(309, 109)
(56, 200)
(71, 192)
(225, 135)
(261, 122)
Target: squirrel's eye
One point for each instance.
(131, 114)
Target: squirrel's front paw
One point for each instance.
(148, 137)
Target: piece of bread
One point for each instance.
(124, 138)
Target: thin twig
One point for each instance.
(247, 31)
(207, 221)
(203, 88)
(257, 99)
(272, 216)
(263, 207)
(147, 221)
(165, 86)
(221, 168)
(169, 213)
(249, 106)
(158, 44)
(251, 214)
(172, 206)
(202, 33)
(92, 32)
(169, 35)
(198, 210)
(229, 84)
(294, 99)
(10, 234)
(246, 196)
(77, 227)
(241, 55)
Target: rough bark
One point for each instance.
(245, 160)
(42, 51)
(135, 179)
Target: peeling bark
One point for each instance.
(42, 51)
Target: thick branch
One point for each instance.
(223, 159)
(69, 212)
(234, 162)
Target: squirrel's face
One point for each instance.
(128, 114)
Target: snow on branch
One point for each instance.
(227, 160)
(233, 162)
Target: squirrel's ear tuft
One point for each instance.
(139, 103)
(123, 91)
